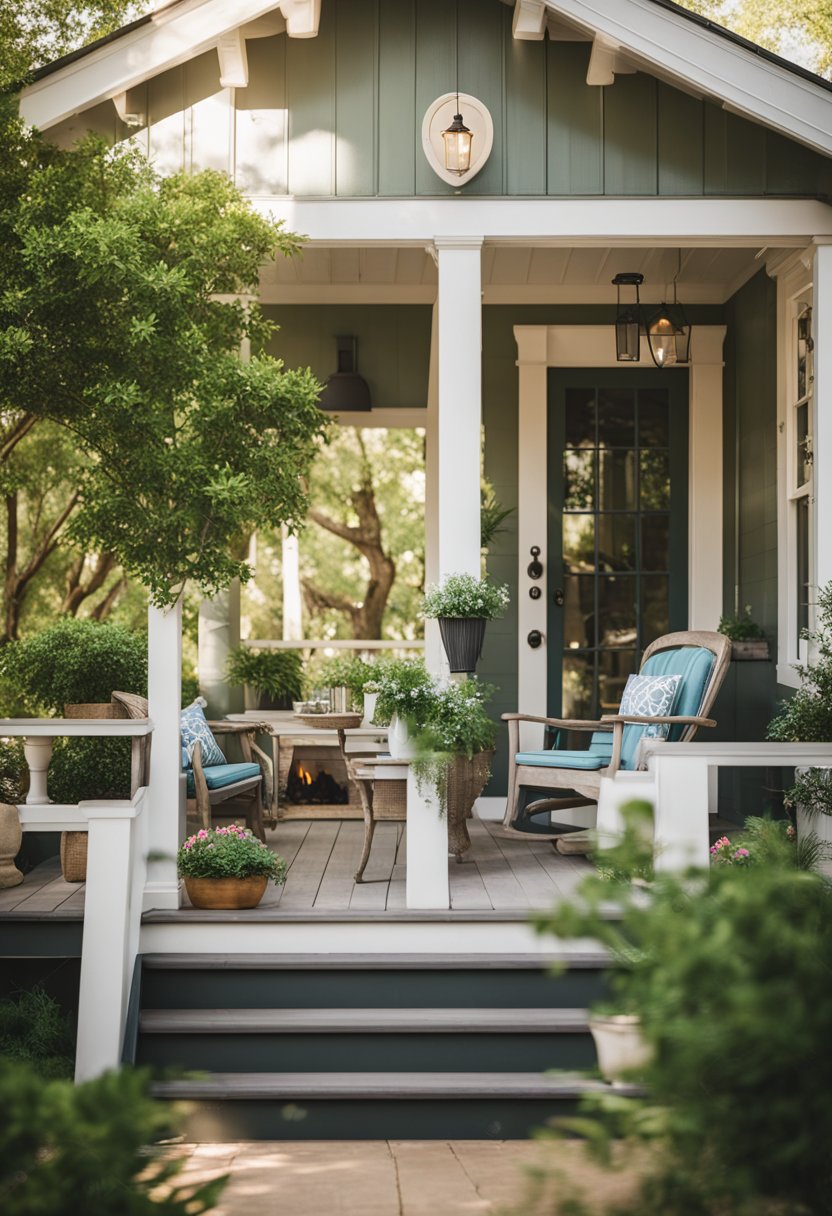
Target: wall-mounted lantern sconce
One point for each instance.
(458, 140)
(628, 317)
(345, 390)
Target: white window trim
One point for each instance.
(540, 347)
(794, 288)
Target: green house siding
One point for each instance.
(340, 115)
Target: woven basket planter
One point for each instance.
(462, 637)
(390, 800)
(466, 781)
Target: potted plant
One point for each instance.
(463, 604)
(807, 718)
(344, 676)
(227, 867)
(405, 690)
(749, 640)
(275, 676)
(370, 694)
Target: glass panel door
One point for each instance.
(617, 528)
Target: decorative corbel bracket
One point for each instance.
(529, 20)
(231, 50)
(606, 61)
(130, 114)
(302, 17)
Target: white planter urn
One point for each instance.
(399, 742)
(620, 1046)
(370, 699)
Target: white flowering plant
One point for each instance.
(405, 688)
(463, 595)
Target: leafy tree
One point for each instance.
(121, 322)
(34, 32)
(367, 491)
(800, 30)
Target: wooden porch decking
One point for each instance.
(498, 874)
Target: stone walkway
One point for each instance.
(397, 1177)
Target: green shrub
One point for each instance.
(74, 662)
(347, 671)
(729, 971)
(34, 1028)
(13, 768)
(84, 1149)
(277, 673)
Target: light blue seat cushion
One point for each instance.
(194, 728)
(552, 759)
(221, 775)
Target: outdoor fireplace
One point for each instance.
(317, 777)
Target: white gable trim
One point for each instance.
(708, 63)
(172, 36)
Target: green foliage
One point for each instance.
(115, 323)
(463, 595)
(405, 688)
(277, 673)
(492, 517)
(13, 768)
(34, 1028)
(728, 970)
(797, 29)
(742, 628)
(74, 662)
(84, 1148)
(35, 32)
(78, 662)
(231, 852)
(347, 672)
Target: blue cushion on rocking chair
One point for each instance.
(554, 759)
(218, 776)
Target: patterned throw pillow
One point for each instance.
(651, 697)
(194, 728)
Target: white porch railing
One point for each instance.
(118, 844)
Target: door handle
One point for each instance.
(535, 639)
(535, 568)
(559, 597)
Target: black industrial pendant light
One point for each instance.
(628, 317)
(345, 390)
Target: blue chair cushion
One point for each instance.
(220, 775)
(583, 760)
(194, 728)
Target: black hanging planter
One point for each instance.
(462, 637)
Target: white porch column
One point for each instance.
(292, 599)
(427, 883)
(219, 633)
(167, 789)
(822, 320)
(459, 405)
(433, 642)
(705, 478)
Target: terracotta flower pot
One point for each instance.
(226, 892)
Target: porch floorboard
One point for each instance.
(509, 877)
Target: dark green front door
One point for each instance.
(618, 523)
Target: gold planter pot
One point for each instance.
(226, 893)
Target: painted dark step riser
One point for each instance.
(371, 989)
(369, 1053)
(41, 939)
(372, 1119)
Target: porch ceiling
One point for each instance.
(511, 274)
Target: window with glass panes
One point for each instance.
(801, 462)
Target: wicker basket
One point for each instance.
(466, 781)
(390, 800)
(74, 844)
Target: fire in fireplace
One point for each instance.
(320, 789)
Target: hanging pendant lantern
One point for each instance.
(628, 318)
(668, 332)
(458, 140)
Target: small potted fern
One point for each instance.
(748, 641)
(271, 679)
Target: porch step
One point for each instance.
(362, 1021)
(395, 1105)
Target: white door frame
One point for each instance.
(540, 347)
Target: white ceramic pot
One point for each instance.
(370, 699)
(818, 825)
(620, 1046)
(399, 742)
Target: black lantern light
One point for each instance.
(457, 138)
(345, 390)
(628, 318)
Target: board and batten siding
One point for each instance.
(340, 115)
